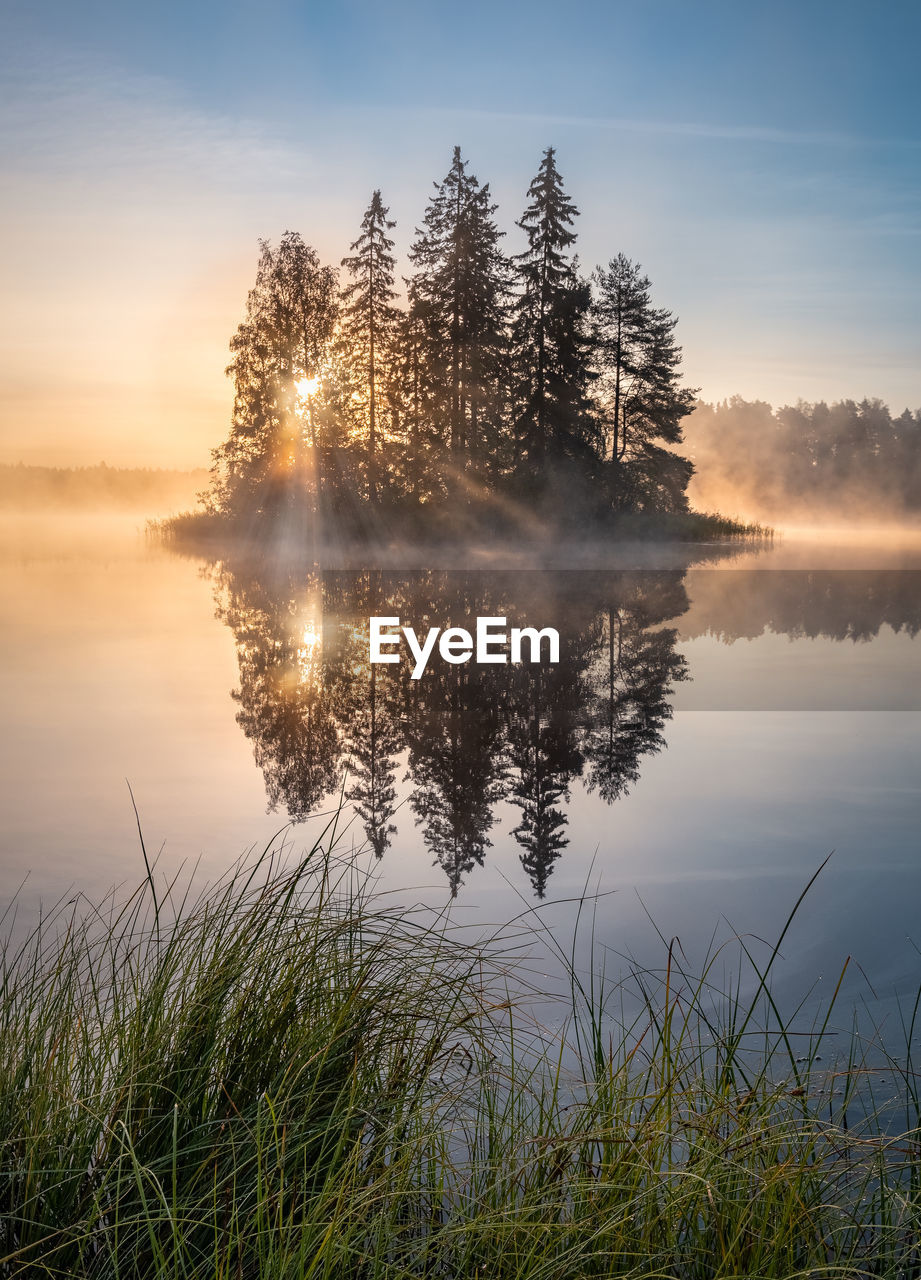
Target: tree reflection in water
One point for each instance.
(469, 736)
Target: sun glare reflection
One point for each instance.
(309, 654)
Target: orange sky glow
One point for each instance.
(135, 199)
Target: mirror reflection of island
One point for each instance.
(509, 409)
(469, 737)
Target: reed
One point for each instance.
(284, 1076)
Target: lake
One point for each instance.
(717, 725)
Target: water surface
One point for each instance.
(710, 735)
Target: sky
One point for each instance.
(762, 161)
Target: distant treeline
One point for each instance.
(835, 604)
(845, 459)
(97, 486)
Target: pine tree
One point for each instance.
(551, 338)
(643, 401)
(366, 334)
(460, 289)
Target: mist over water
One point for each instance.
(843, 464)
(712, 731)
(149, 492)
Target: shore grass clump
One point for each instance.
(193, 1084)
(283, 1076)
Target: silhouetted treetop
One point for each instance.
(366, 335)
(500, 380)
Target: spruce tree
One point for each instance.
(486, 315)
(366, 333)
(633, 676)
(456, 766)
(551, 336)
(460, 290)
(411, 399)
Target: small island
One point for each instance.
(511, 400)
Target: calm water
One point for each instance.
(710, 735)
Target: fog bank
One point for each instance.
(806, 463)
(150, 492)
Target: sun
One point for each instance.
(307, 387)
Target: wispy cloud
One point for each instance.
(71, 115)
(687, 129)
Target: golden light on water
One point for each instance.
(309, 641)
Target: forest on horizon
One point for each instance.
(100, 486)
(851, 459)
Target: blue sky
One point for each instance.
(763, 163)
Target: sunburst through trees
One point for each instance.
(505, 381)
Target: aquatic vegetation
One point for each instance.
(286, 1075)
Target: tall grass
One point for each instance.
(286, 1077)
